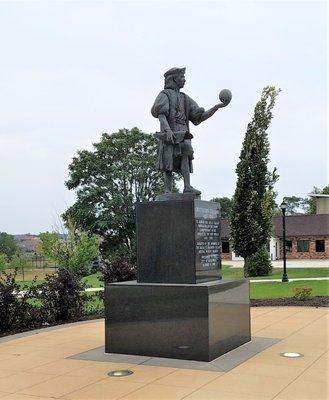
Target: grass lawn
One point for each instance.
(274, 290)
(236, 273)
(269, 290)
(93, 280)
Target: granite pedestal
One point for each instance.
(193, 322)
(179, 307)
(178, 241)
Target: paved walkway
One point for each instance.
(37, 367)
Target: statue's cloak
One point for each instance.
(179, 109)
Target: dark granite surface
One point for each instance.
(178, 241)
(194, 322)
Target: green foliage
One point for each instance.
(302, 293)
(258, 264)
(225, 206)
(20, 261)
(254, 197)
(276, 290)
(108, 181)
(8, 245)
(295, 205)
(17, 309)
(49, 242)
(74, 251)
(3, 261)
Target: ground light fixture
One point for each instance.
(120, 372)
(291, 355)
(283, 207)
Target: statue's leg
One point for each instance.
(185, 169)
(168, 180)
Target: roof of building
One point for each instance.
(303, 225)
(296, 225)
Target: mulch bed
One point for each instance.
(317, 301)
(84, 318)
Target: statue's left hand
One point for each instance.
(225, 96)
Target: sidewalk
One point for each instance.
(43, 365)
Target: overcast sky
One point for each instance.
(70, 71)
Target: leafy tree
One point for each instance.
(108, 181)
(295, 205)
(8, 245)
(254, 197)
(20, 262)
(3, 261)
(225, 206)
(74, 251)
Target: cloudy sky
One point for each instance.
(70, 71)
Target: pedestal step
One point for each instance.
(193, 322)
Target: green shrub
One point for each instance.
(18, 306)
(302, 293)
(258, 264)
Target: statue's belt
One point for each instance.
(179, 136)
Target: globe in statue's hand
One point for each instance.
(225, 96)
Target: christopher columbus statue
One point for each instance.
(175, 109)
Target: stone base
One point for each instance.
(177, 197)
(192, 322)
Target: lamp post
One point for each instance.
(283, 207)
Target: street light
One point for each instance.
(283, 207)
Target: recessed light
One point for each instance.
(291, 355)
(120, 372)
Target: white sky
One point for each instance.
(70, 71)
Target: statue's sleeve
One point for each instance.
(160, 106)
(195, 112)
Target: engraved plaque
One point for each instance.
(207, 240)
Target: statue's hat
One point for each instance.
(174, 71)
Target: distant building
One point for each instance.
(27, 242)
(322, 203)
(307, 237)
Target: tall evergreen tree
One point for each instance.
(253, 201)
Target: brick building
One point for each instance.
(307, 237)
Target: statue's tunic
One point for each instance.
(179, 109)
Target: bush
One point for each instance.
(18, 305)
(302, 293)
(62, 296)
(258, 264)
(118, 271)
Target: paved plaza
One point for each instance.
(47, 364)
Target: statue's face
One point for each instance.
(180, 80)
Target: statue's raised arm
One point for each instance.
(175, 109)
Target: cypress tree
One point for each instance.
(254, 198)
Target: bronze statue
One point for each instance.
(175, 109)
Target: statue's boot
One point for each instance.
(190, 189)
